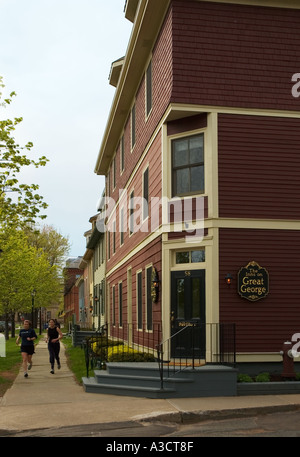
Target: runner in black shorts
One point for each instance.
(28, 335)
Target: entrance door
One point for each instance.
(188, 313)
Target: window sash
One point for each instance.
(120, 304)
(149, 298)
(122, 155)
(188, 165)
(133, 127)
(149, 89)
(140, 299)
(146, 194)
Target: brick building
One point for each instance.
(72, 273)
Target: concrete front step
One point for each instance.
(143, 380)
(148, 369)
(92, 386)
(132, 368)
(105, 377)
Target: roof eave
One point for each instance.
(148, 20)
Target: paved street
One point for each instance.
(271, 425)
(280, 424)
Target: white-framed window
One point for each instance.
(114, 237)
(188, 165)
(120, 304)
(139, 299)
(133, 127)
(149, 309)
(114, 172)
(122, 228)
(122, 155)
(146, 193)
(148, 86)
(192, 256)
(113, 305)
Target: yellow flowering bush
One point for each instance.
(118, 352)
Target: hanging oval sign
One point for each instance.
(253, 282)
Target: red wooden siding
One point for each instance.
(187, 124)
(235, 55)
(259, 167)
(264, 325)
(161, 91)
(147, 256)
(153, 161)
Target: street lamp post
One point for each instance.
(32, 306)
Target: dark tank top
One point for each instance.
(52, 333)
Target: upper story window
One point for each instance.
(120, 304)
(108, 244)
(114, 172)
(121, 226)
(146, 194)
(108, 184)
(133, 127)
(114, 237)
(188, 165)
(149, 89)
(122, 155)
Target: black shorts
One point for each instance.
(28, 349)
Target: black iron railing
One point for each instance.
(188, 347)
(127, 343)
(195, 345)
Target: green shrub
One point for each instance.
(131, 357)
(117, 351)
(297, 377)
(263, 377)
(244, 378)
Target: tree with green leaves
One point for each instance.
(19, 202)
(24, 269)
(54, 245)
(31, 259)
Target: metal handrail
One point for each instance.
(224, 341)
(161, 352)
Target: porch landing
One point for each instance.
(143, 380)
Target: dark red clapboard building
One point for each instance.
(206, 110)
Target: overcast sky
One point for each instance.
(56, 55)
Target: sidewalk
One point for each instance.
(44, 400)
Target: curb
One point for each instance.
(190, 417)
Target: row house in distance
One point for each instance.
(72, 274)
(201, 158)
(93, 262)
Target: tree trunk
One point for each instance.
(13, 325)
(6, 326)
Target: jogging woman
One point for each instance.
(54, 335)
(27, 335)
